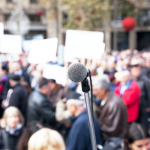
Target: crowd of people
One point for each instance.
(39, 114)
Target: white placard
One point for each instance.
(11, 44)
(1, 29)
(27, 45)
(61, 55)
(55, 72)
(84, 44)
(42, 51)
(9, 57)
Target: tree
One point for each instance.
(91, 14)
(51, 11)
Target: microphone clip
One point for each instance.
(85, 83)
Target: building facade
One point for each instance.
(116, 38)
(33, 10)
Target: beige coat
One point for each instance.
(62, 115)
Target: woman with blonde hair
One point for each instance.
(46, 139)
(12, 128)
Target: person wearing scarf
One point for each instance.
(12, 128)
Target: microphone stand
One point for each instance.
(86, 89)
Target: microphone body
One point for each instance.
(78, 73)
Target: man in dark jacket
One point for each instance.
(79, 135)
(56, 93)
(39, 107)
(112, 112)
(17, 71)
(143, 82)
(19, 96)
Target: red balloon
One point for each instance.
(39, 13)
(129, 23)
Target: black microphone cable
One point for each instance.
(91, 93)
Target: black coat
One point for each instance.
(144, 99)
(40, 109)
(7, 85)
(19, 99)
(11, 140)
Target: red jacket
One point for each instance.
(131, 98)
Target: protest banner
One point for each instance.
(11, 44)
(1, 29)
(83, 44)
(27, 45)
(42, 51)
(55, 72)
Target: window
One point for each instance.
(122, 40)
(144, 18)
(6, 17)
(33, 1)
(9, 1)
(34, 18)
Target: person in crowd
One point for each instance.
(114, 82)
(72, 86)
(34, 72)
(3, 79)
(13, 128)
(25, 65)
(126, 64)
(112, 112)
(28, 132)
(46, 139)
(62, 115)
(136, 138)
(93, 71)
(26, 85)
(17, 71)
(19, 95)
(148, 68)
(143, 82)
(79, 135)
(110, 67)
(56, 92)
(130, 92)
(39, 107)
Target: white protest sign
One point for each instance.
(1, 29)
(8, 57)
(26, 45)
(55, 72)
(84, 44)
(11, 44)
(42, 51)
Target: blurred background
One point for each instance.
(41, 19)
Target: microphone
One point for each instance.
(78, 73)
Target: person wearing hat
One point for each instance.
(56, 92)
(79, 135)
(143, 82)
(16, 66)
(19, 95)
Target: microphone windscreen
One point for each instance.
(77, 72)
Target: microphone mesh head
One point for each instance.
(77, 72)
